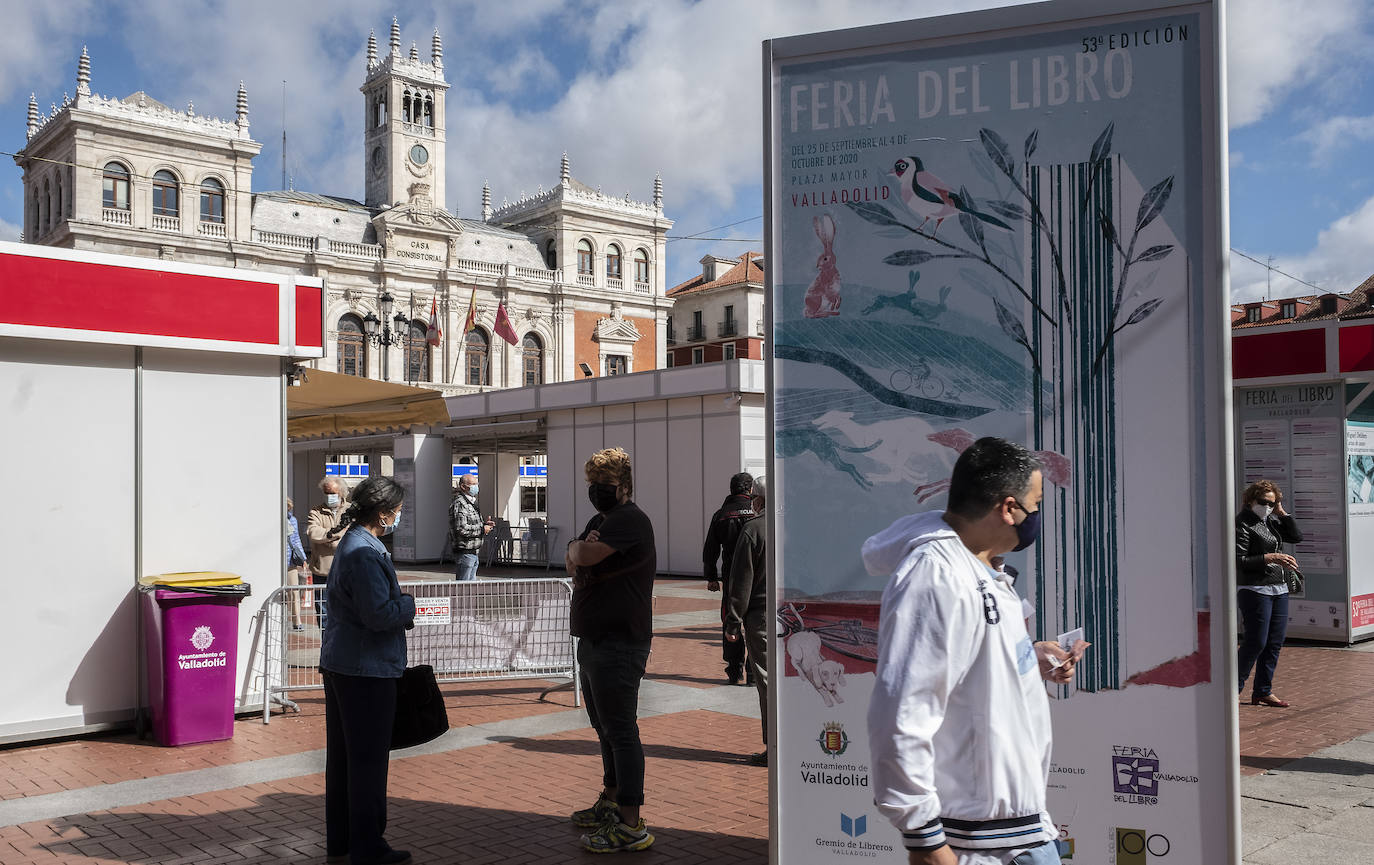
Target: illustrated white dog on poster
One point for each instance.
(826, 676)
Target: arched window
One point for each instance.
(114, 187)
(165, 194)
(59, 204)
(212, 201)
(429, 111)
(405, 106)
(46, 204)
(613, 262)
(352, 346)
(551, 255)
(381, 110)
(34, 214)
(417, 352)
(478, 350)
(532, 359)
(641, 267)
(584, 256)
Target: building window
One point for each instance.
(47, 205)
(584, 256)
(729, 351)
(417, 353)
(617, 364)
(165, 194)
(698, 355)
(551, 255)
(613, 262)
(114, 187)
(1252, 314)
(668, 361)
(212, 201)
(698, 331)
(478, 349)
(532, 359)
(1289, 309)
(59, 204)
(352, 347)
(729, 327)
(1328, 304)
(641, 267)
(669, 329)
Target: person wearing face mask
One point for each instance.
(467, 527)
(1262, 573)
(361, 659)
(959, 723)
(612, 565)
(319, 528)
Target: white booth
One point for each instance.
(144, 429)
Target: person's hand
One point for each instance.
(1280, 559)
(731, 636)
(1057, 665)
(1278, 509)
(713, 585)
(593, 536)
(938, 856)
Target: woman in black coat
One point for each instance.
(1262, 576)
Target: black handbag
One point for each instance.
(420, 713)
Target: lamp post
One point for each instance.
(379, 331)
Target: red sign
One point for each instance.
(1361, 611)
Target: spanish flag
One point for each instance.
(471, 320)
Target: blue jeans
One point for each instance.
(1266, 623)
(611, 670)
(467, 566)
(1045, 854)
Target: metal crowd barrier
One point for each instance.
(469, 631)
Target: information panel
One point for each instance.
(1008, 223)
(1359, 450)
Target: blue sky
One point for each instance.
(631, 88)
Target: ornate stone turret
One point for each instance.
(414, 52)
(564, 174)
(241, 108)
(33, 115)
(83, 74)
(395, 36)
(486, 201)
(436, 50)
(658, 191)
(371, 49)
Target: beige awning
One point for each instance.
(330, 404)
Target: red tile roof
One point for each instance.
(746, 270)
(1307, 308)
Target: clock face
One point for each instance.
(419, 155)
(378, 159)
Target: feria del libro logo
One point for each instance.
(1136, 775)
(202, 638)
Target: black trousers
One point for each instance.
(358, 714)
(611, 671)
(731, 653)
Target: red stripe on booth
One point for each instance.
(50, 292)
(1294, 352)
(1357, 348)
(309, 324)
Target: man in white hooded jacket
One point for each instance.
(959, 723)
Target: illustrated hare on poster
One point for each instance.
(825, 288)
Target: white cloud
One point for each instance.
(1274, 46)
(528, 69)
(1338, 262)
(1334, 134)
(34, 42)
(8, 230)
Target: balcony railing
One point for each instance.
(587, 279)
(729, 327)
(696, 333)
(615, 283)
(672, 339)
(212, 229)
(166, 223)
(117, 216)
(642, 286)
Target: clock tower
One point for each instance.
(403, 103)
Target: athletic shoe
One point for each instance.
(591, 818)
(616, 837)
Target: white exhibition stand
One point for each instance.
(142, 420)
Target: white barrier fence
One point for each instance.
(470, 630)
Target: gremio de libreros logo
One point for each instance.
(850, 841)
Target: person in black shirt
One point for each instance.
(612, 564)
(721, 534)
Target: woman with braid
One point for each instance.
(361, 659)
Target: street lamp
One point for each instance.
(379, 331)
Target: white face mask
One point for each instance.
(388, 529)
(331, 499)
(1262, 510)
(472, 490)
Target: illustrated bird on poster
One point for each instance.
(929, 197)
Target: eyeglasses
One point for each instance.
(1023, 508)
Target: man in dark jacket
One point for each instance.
(746, 604)
(721, 533)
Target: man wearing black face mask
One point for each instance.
(612, 565)
(959, 725)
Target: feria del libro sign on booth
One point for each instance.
(1072, 298)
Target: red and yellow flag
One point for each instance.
(471, 320)
(503, 327)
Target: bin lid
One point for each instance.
(191, 579)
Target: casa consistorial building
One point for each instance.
(579, 274)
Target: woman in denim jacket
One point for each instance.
(361, 659)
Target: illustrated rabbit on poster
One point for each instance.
(823, 297)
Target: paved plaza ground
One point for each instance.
(497, 788)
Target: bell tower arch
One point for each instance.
(403, 121)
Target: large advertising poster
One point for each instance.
(1294, 435)
(1359, 450)
(1007, 223)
